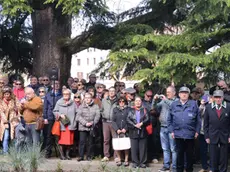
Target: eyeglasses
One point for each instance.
(79, 84)
(45, 80)
(100, 87)
(77, 97)
(122, 101)
(66, 94)
(1, 82)
(122, 85)
(149, 95)
(41, 91)
(18, 84)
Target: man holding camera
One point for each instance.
(184, 125)
(167, 142)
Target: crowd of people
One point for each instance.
(184, 125)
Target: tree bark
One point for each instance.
(49, 27)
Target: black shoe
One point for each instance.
(134, 165)
(142, 166)
(62, 158)
(80, 159)
(68, 158)
(164, 169)
(47, 156)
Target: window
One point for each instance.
(94, 60)
(87, 61)
(78, 62)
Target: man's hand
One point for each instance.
(118, 131)
(88, 124)
(172, 134)
(123, 130)
(196, 135)
(207, 141)
(156, 96)
(62, 116)
(228, 140)
(202, 102)
(46, 121)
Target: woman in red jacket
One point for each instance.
(19, 90)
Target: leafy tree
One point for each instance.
(175, 49)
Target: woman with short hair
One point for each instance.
(65, 111)
(137, 120)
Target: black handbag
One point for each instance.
(65, 121)
(94, 131)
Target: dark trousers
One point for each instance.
(48, 137)
(84, 135)
(185, 147)
(203, 152)
(219, 157)
(139, 151)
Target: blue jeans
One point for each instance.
(168, 145)
(6, 138)
(203, 152)
(32, 135)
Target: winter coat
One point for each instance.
(119, 120)
(88, 113)
(131, 120)
(70, 110)
(7, 112)
(107, 109)
(49, 100)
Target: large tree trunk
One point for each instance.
(49, 27)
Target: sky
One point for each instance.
(117, 6)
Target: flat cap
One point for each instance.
(184, 89)
(130, 90)
(218, 93)
(92, 75)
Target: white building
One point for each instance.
(84, 62)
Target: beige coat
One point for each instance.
(7, 112)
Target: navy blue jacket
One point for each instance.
(184, 120)
(48, 104)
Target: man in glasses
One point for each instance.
(130, 96)
(46, 83)
(34, 84)
(50, 101)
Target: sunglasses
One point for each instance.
(79, 85)
(122, 85)
(122, 101)
(149, 95)
(41, 91)
(100, 87)
(45, 80)
(18, 84)
(77, 97)
(1, 82)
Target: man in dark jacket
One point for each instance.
(184, 125)
(50, 100)
(217, 131)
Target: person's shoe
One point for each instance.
(105, 159)
(126, 163)
(62, 158)
(118, 163)
(203, 170)
(134, 165)
(164, 169)
(47, 156)
(89, 159)
(142, 166)
(155, 161)
(80, 159)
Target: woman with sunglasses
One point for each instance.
(119, 124)
(137, 120)
(81, 89)
(42, 93)
(19, 90)
(9, 106)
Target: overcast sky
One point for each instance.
(117, 6)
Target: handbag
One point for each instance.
(121, 143)
(149, 128)
(65, 121)
(39, 123)
(56, 129)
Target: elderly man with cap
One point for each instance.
(92, 81)
(217, 131)
(130, 96)
(184, 125)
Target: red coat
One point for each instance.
(19, 93)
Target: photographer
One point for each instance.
(167, 142)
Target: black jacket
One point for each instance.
(217, 130)
(119, 119)
(131, 121)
